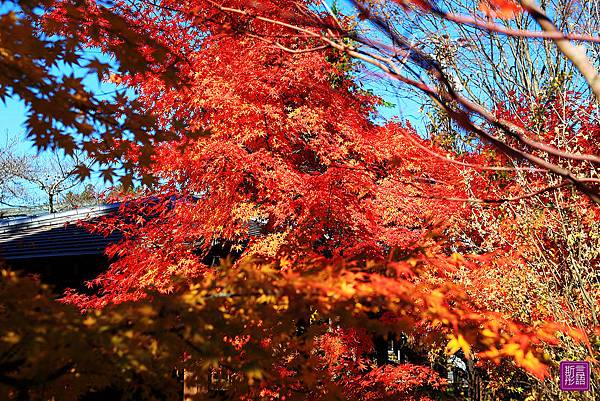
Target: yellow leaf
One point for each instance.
(253, 374)
(488, 333)
(533, 365)
(11, 337)
(511, 349)
(457, 343)
(284, 263)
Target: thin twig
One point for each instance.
(573, 53)
(490, 26)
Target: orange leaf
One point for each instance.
(503, 9)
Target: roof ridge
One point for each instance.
(55, 218)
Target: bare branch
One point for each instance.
(572, 52)
(490, 26)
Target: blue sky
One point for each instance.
(12, 116)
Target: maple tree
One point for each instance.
(552, 236)
(364, 225)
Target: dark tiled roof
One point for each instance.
(58, 234)
(55, 234)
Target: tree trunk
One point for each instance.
(51, 203)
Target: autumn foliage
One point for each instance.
(367, 230)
